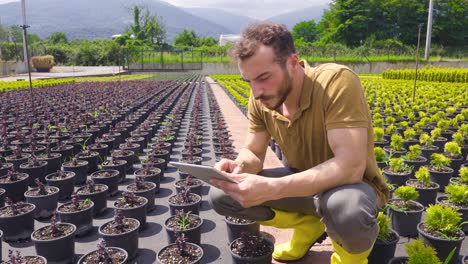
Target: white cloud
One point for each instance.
(7, 1)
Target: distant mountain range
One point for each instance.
(90, 19)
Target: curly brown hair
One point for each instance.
(269, 34)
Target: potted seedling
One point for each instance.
(404, 211)
(156, 153)
(396, 146)
(56, 241)
(105, 255)
(53, 159)
(443, 125)
(397, 172)
(460, 140)
(436, 135)
(427, 146)
(453, 151)
(45, 198)
(144, 189)
(380, 157)
(64, 180)
(16, 220)
(79, 167)
(14, 184)
(251, 249)
(414, 158)
(77, 212)
(92, 157)
(440, 172)
(441, 229)
(426, 188)
(65, 150)
(18, 259)
(185, 200)
(36, 169)
(97, 193)
(116, 164)
(385, 245)
(457, 198)
(128, 156)
(150, 174)
(418, 253)
(133, 147)
(17, 157)
(132, 206)
(121, 232)
(4, 166)
(462, 177)
(194, 184)
(107, 177)
(184, 222)
(180, 252)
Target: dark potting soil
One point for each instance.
(179, 199)
(453, 205)
(240, 221)
(72, 164)
(46, 233)
(122, 203)
(400, 204)
(117, 256)
(39, 163)
(174, 223)
(420, 185)
(391, 237)
(438, 234)
(172, 255)
(87, 190)
(71, 208)
(28, 260)
(253, 247)
(192, 182)
(129, 225)
(442, 169)
(22, 208)
(400, 173)
(103, 174)
(418, 158)
(145, 172)
(37, 192)
(7, 179)
(146, 186)
(56, 176)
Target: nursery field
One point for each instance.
(89, 162)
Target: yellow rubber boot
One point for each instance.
(307, 231)
(341, 256)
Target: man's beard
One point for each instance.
(285, 89)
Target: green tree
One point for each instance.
(147, 28)
(206, 41)
(58, 38)
(186, 38)
(307, 30)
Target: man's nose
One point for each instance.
(256, 88)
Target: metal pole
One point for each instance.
(417, 61)
(429, 30)
(26, 53)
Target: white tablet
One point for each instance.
(202, 172)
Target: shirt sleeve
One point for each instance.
(344, 103)
(256, 121)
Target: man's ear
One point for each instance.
(293, 61)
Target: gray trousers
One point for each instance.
(349, 212)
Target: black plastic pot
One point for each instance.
(193, 235)
(127, 240)
(442, 246)
(138, 213)
(66, 151)
(128, 156)
(80, 170)
(65, 184)
(149, 194)
(92, 158)
(34, 172)
(383, 251)
(4, 168)
(405, 222)
(119, 165)
(45, 204)
(112, 181)
(56, 251)
(83, 219)
(195, 186)
(192, 207)
(235, 230)
(53, 162)
(194, 247)
(17, 160)
(18, 227)
(398, 179)
(84, 260)
(266, 259)
(441, 177)
(153, 176)
(99, 198)
(426, 195)
(15, 189)
(2, 198)
(398, 260)
(416, 164)
(463, 211)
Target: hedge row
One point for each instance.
(431, 74)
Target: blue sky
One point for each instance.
(260, 9)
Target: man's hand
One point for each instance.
(250, 190)
(229, 166)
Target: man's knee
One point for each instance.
(218, 201)
(350, 216)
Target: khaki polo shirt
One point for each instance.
(332, 97)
